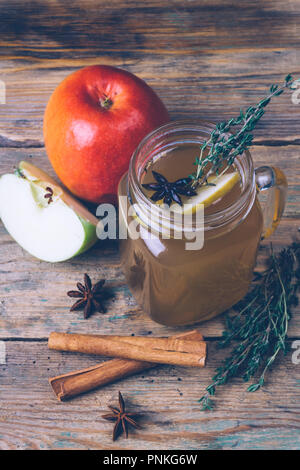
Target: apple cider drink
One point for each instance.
(173, 284)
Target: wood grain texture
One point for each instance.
(31, 416)
(205, 59)
(197, 56)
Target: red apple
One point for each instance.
(93, 122)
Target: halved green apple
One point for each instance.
(42, 217)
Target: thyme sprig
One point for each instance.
(261, 324)
(225, 142)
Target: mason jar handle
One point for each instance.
(271, 180)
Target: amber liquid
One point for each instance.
(176, 286)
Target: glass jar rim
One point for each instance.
(236, 211)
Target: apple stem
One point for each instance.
(106, 102)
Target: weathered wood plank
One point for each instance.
(32, 418)
(189, 95)
(161, 17)
(34, 301)
(130, 26)
(202, 63)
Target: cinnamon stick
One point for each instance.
(158, 350)
(81, 381)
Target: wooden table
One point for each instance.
(205, 59)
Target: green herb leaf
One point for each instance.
(260, 326)
(226, 142)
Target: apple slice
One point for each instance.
(52, 228)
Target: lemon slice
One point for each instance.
(208, 194)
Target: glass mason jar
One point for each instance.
(178, 286)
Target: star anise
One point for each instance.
(89, 297)
(169, 191)
(122, 419)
